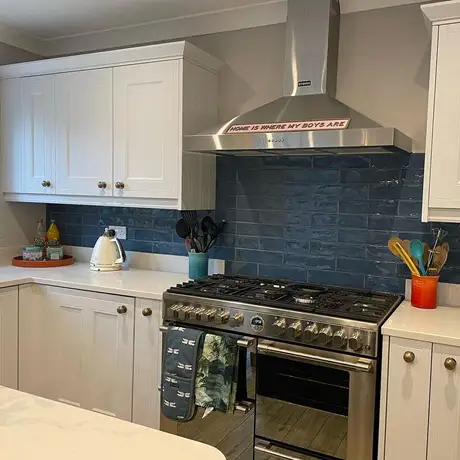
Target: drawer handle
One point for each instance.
(450, 364)
(409, 357)
(146, 311)
(46, 183)
(102, 184)
(122, 309)
(119, 185)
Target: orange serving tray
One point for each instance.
(20, 262)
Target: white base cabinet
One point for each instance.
(9, 337)
(420, 402)
(107, 128)
(147, 363)
(77, 347)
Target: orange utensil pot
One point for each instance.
(424, 291)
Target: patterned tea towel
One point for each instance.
(180, 355)
(217, 373)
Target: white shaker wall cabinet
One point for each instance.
(38, 172)
(9, 337)
(84, 132)
(119, 118)
(441, 200)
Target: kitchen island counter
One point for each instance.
(33, 427)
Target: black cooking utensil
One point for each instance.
(182, 229)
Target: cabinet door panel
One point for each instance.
(443, 438)
(36, 374)
(408, 396)
(147, 363)
(147, 129)
(445, 161)
(12, 135)
(9, 337)
(38, 120)
(109, 353)
(84, 132)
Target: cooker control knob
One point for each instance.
(355, 342)
(325, 335)
(339, 339)
(279, 326)
(173, 310)
(311, 332)
(208, 315)
(184, 312)
(294, 330)
(198, 314)
(236, 320)
(222, 317)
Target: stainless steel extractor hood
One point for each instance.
(307, 120)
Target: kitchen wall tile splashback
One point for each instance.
(318, 219)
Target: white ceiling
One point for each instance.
(54, 27)
(52, 19)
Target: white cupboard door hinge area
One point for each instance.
(147, 130)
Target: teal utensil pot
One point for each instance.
(198, 265)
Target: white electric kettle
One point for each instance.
(108, 253)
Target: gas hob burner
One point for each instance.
(307, 295)
(271, 293)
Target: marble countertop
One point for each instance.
(441, 325)
(36, 428)
(131, 282)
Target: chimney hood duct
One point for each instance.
(312, 36)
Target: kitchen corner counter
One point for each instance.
(441, 325)
(33, 427)
(133, 282)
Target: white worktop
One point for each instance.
(131, 282)
(441, 325)
(36, 428)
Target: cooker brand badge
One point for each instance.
(257, 323)
(310, 125)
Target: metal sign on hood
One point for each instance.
(309, 125)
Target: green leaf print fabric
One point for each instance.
(217, 373)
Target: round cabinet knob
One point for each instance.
(294, 330)
(311, 332)
(236, 320)
(222, 318)
(102, 184)
(122, 309)
(325, 335)
(355, 342)
(409, 357)
(279, 326)
(147, 312)
(339, 339)
(450, 364)
(119, 185)
(46, 183)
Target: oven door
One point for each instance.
(232, 434)
(313, 404)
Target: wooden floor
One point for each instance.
(281, 421)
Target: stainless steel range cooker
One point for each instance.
(311, 359)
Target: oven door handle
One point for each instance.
(265, 448)
(349, 364)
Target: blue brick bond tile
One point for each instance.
(323, 218)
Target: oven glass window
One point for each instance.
(302, 405)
